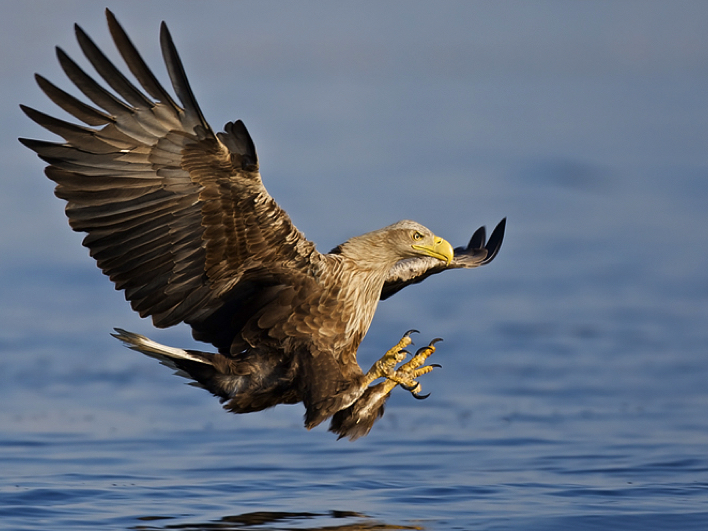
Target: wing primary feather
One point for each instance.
(72, 133)
(495, 241)
(77, 108)
(109, 72)
(478, 239)
(179, 79)
(136, 64)
(95, 92)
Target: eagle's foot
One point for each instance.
(406, 375)
(359, 416)
(386, 365)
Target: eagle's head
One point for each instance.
(400, 241)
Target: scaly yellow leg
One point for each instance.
(406, 374)
(395, 355)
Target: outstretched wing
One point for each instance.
(176, 215)
(478, 252)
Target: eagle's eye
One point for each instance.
(417, 236)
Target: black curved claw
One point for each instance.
(420, 397)
(409, 387)
(404, 351)
(411, 331)
(436, 365)
(436, 340)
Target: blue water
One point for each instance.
(574, 383)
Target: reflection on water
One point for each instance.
(280, 521)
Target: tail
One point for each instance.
(191, 364)
(223, 377)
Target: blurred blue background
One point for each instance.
(574, 384)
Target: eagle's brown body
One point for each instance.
(178, 217)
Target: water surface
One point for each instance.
(573, 390)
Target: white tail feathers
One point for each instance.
(156, 350)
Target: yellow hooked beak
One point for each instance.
(441, 249)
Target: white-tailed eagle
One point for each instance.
(177, 216)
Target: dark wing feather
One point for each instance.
(87, 114)
(176, 216)
(137, 66)
(478, 252)
(179, 79)
(110, 73)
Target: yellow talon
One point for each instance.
(406, 374)
(383, 367)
